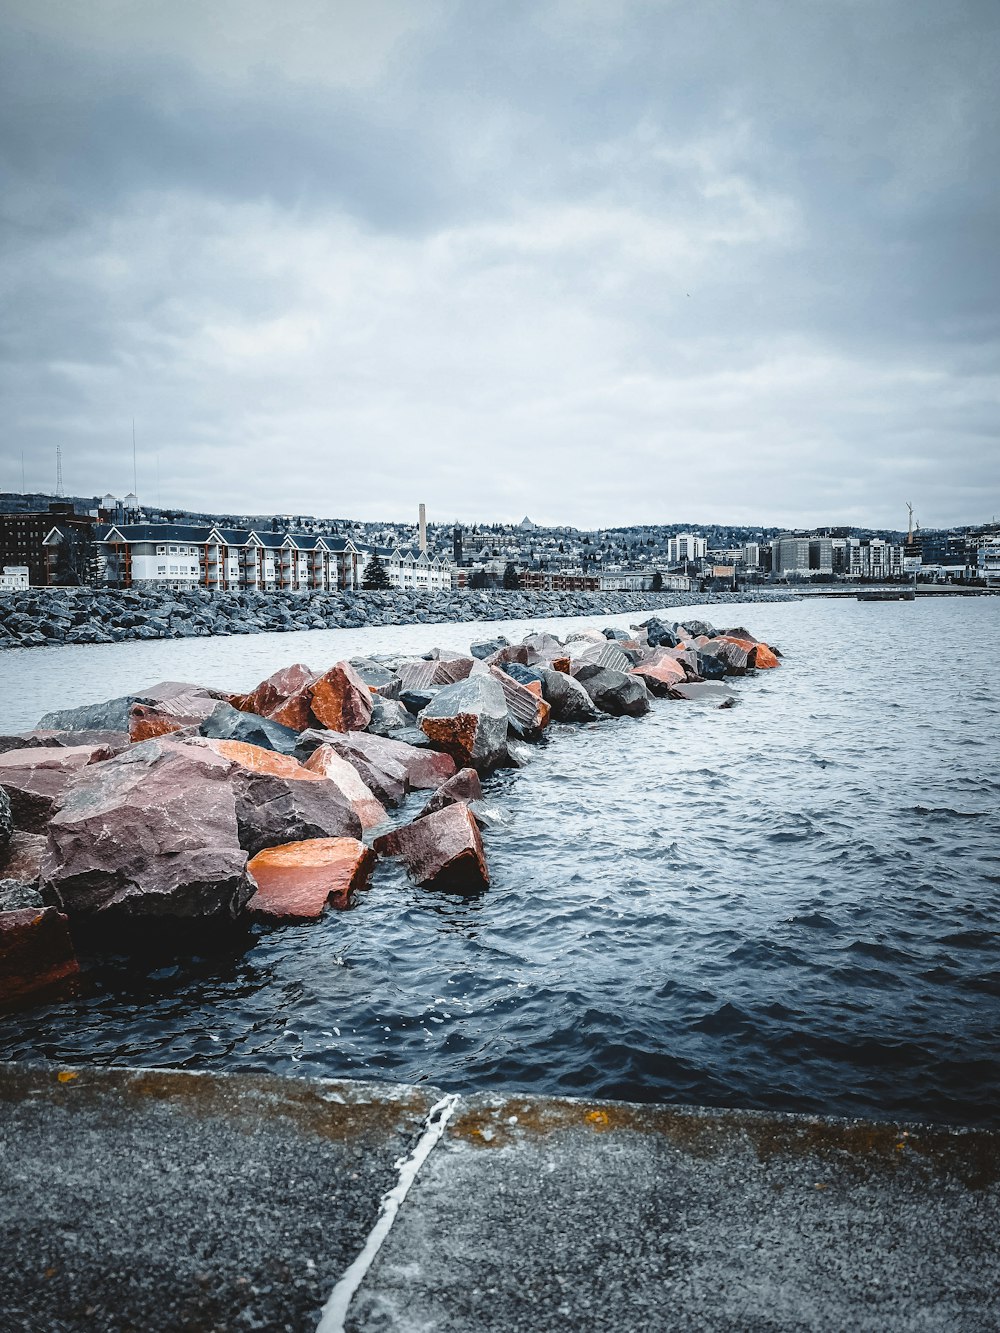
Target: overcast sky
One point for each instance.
(595, 261)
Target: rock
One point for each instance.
(386, 779)
(345, 777)
(462, 786)
(765, 658)
(227, 723)
(567, 698)
(375, 674)
(527, 712)
(35, 780)
(182, 712)
(388, 715)
(443, 850)
(278, 800)
(613, 691)
(36, 952)
(6, 820)
(524, 675)
(704, 692)
(296, 880)
(21, 858)
(113, 741)
(17, 894)
(113, 714)
(341, 701)
(425, 769)
(660, 675)
(696, 627)
(150, 832)
(468, 720)
(710, 668)
(415, 701)
(603, 654)
(488, 647)
(284, 697)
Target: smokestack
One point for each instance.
(423, 527)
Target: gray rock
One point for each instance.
(227, 723)
(15, 895)
(613, 691)
(567, 698)
(6, 819)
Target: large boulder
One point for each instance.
(765, 657)
(284, 697)
(613, 691)
(150, 832)
(527, 712)
(488, 647)
(29, 740)
(21, 858)
(604, 654)
(296, 880)
(341, 701)
(660, 675)
(345, 777)
(443, 850)
(36, 952)
(113, 714)
(425, 769)
(181, 712)
(463, 786)
(388, 715)
(567, 698)
(278, 800)
(387, 779)
(232, 724)
(36, 780)
(468, 720)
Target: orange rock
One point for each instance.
(341, 701)
(765, 658)
(330, 765)
(561, 664)
(659, 676)
(273, 693)
(748, 644)
(297, 880)
(258, 759)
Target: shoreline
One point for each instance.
(43, 617)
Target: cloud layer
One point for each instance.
(597, 262)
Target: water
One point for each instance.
(790, 904)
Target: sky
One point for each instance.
(594, 261)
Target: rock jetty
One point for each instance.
(185, 804)
(46, 616)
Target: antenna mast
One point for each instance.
(135, 487)
(909, 534)
(59, 480)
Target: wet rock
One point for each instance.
(443, 850)
(36, 780)
(705, 692)
(297, 880)
(279, 800)
(527, 712)
(524, 675)
(227, 723)
(425, 769)
(567, 698)
(613, 691)
(463, 786)
(341, 701)
(710, 668)
(345, 777)
(765, 658)
(697, 627)
(150, 832)
(388, 715)
(36, 952)
(468, 720)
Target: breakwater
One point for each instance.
(44, 616)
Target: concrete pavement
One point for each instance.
(169, 1200)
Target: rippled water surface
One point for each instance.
(789, 904)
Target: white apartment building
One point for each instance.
(686, 546)
(14, 578)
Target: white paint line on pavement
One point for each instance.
(335, 1310)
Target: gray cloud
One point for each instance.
(597, 262)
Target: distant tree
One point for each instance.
(657, 584)
(76, 559)
(478, 578)
(376, 575)
(511, 580)
(562, 549)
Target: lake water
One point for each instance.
(790, 904)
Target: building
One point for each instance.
(23, 542)
(220, 559)
(686, 546)
(14, 578)
(988, 562)
(566, 580)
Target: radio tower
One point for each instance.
(59, 480)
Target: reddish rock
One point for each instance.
(21, 859)
(272, 694)
(36, 779)
(177, 713)
(150, 832)
(296, 880)
(469, 721)
(561, 663)
(387, 779)
(345, 777)
(527, 711)
(279, 800)
(35, 952)
(341, 701)
(511, 652)
(464, 786)
(764, 658)
(443, 850)
(659, 676)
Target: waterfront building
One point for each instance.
(15, 578)
(988, 562)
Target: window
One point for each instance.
(161, 550)
(161, 569)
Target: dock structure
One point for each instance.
(166, 1200)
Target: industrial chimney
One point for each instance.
(423, 527)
